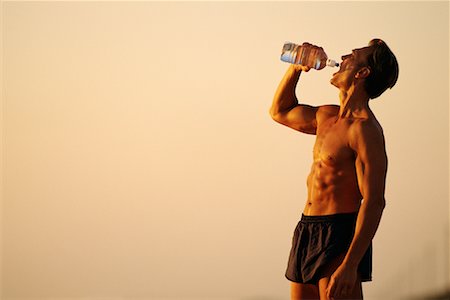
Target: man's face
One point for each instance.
(350, 65)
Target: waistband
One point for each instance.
(341, 217)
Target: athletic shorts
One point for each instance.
(317, 241)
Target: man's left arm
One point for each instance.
(367, 141)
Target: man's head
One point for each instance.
(375, 66)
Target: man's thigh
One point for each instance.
(301, 291)
(326, 275)
(356, 293)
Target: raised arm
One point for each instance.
(286, 110)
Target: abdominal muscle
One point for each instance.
(332, 190)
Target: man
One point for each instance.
(331, 250)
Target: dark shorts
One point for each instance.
(319, 240)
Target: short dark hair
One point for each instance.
(384, 69)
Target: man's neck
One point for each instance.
(354, 103)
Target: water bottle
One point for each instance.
(306, 56)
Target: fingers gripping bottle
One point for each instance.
(306, 55)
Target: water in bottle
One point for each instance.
(306, 56)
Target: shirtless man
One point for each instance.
(332, 245)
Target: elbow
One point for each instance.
(381, 203)
(376, 204)
(274, 114)
(381, 206)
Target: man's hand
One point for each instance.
(301, 68)
(342, 281)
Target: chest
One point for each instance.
(332, 145)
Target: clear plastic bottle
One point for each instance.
(306, 56)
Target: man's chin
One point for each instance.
(333, 82)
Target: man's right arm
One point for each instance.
(285, 107)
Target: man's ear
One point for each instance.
(363, 73)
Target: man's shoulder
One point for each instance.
(325, 112)
(370, 123)
(366, 130)
(329, 109)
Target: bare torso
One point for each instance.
(333, 182)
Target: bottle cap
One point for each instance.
(332, 63)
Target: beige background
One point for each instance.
(139, 158)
